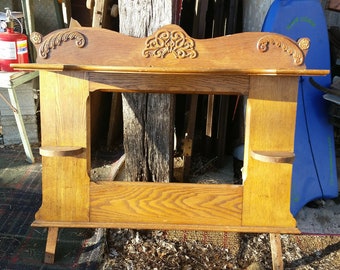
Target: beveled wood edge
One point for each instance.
(113, 184)
(60, 151)
(156, 226)
(273, 156)
(171, 70)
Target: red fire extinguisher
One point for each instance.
(13, 45)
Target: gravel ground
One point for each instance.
(129, 249)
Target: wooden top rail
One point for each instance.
(170, 50)
(171, 70)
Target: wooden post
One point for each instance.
(276, 251)
(51, 243)
(269, 146)
(148, 119)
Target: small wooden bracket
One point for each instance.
(273, 157)
(60, 151)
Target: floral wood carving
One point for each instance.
(165, 42)
(56, 40)
(286, 45)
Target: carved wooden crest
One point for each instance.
(56, 40)
(166, 42)
(286, 45)
(173, 46)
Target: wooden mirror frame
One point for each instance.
(75, 62)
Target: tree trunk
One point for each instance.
(148, 118)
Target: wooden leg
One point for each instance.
(276, 250)
(51, 244)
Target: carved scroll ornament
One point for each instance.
(286, 45)
(170, 42)
(55, 40)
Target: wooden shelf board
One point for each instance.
(273, 156)
(60, 151)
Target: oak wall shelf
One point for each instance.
(75, 62)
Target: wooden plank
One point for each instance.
(199, 23)
(222, 124)
(210, 111)
(65, 182)
(161, 204)
(99, 13)
(115, 125)
(189, 137)
(270, 126)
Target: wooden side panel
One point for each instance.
(64, 122)
(166, 203)
(270, 127)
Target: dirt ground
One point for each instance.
(128, 249)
